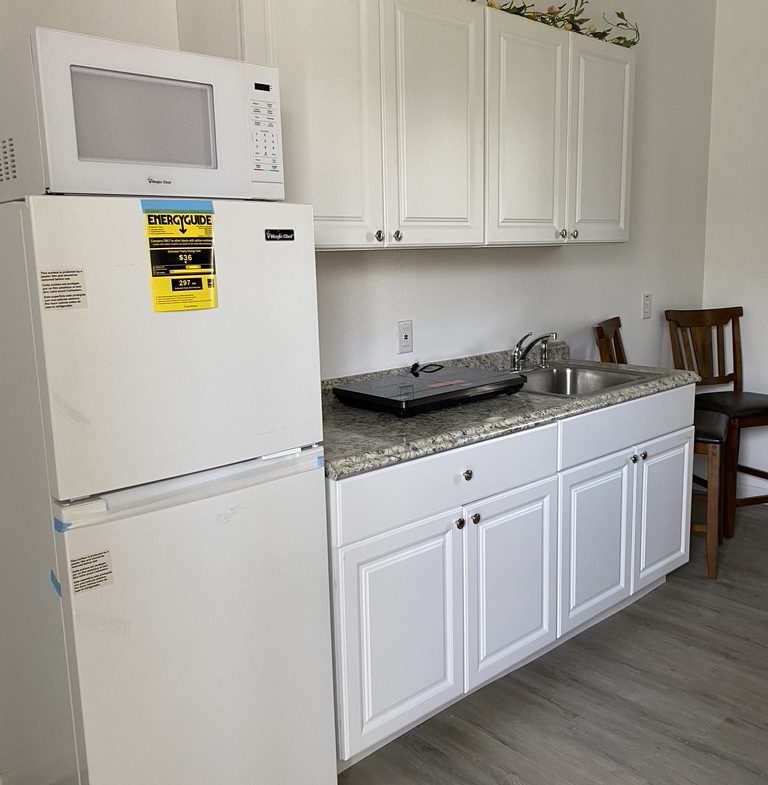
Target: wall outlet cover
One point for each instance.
(404, 336)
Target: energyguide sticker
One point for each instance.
(181, 255)
(91, 571)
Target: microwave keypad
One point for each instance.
(265, 133)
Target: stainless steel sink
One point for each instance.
(574, 380)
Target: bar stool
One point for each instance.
(710, 433)
(698, 344)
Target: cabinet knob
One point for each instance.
(633, 459)
(563, 233)
(575, 234)
(476, 518)
(460, 523)
(468, 475)
(379, 236)
(398, 235)
(643, 454)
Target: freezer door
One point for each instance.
(133, 395)
(203, 652)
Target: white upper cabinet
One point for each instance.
(432, 54)
(527, 114)
(330, 80)
(416, 123)
(599, 140)
(558, 135)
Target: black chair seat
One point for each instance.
(734, 404)
(710, 427)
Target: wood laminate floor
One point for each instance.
(671, 691)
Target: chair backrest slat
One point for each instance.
(698, 343)
(702, 348)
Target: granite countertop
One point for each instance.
(358, 440)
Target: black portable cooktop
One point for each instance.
(422, 391)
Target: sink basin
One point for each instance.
(576, 380)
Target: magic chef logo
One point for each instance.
(271, 235)
(155, 181)
(182, 220)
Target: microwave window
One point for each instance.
(134, 119)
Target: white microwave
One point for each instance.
(85, 115)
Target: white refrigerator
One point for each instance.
(164, 597)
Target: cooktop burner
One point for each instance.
(421, 391)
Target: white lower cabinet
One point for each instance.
(624, 523)
(399, 633)
(452, 569)
(511, 553)
(662, 507)
(595, 521)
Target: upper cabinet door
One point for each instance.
(432, 54)
(329, 62)
(600, 140)
(527, 113)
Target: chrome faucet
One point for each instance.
(519, 353)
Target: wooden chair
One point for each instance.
(698, 344)
(609, 343)
(710, 431)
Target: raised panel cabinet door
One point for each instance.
(596, 502)
(399, 638)
(526, 139)
(330, 92)
(511, 559)
(600, 141)
(432, 54)
(662, 507)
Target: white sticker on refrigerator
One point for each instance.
(92, 571)
(63, 289)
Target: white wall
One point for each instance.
(467, 301)
(151, 22)
(737, 253)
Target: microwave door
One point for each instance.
(120, 118)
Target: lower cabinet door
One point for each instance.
(663, 507)
(596, 505)
(399, 632)
(511, 559)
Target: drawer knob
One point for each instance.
(633, 459)
(380, 236)
(643, 454)
(476, 518)
(468, 475)
(460, 523)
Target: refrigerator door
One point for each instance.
(133, 395)
(199, 629)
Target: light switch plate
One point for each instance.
(647, 308)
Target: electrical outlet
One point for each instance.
(404, 336)
(647, 306)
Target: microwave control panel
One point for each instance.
(266, 155)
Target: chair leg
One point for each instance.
(714, 507)
(731, 470)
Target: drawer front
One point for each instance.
(384, 499)
(589, 436)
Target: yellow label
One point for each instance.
(181, 255)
